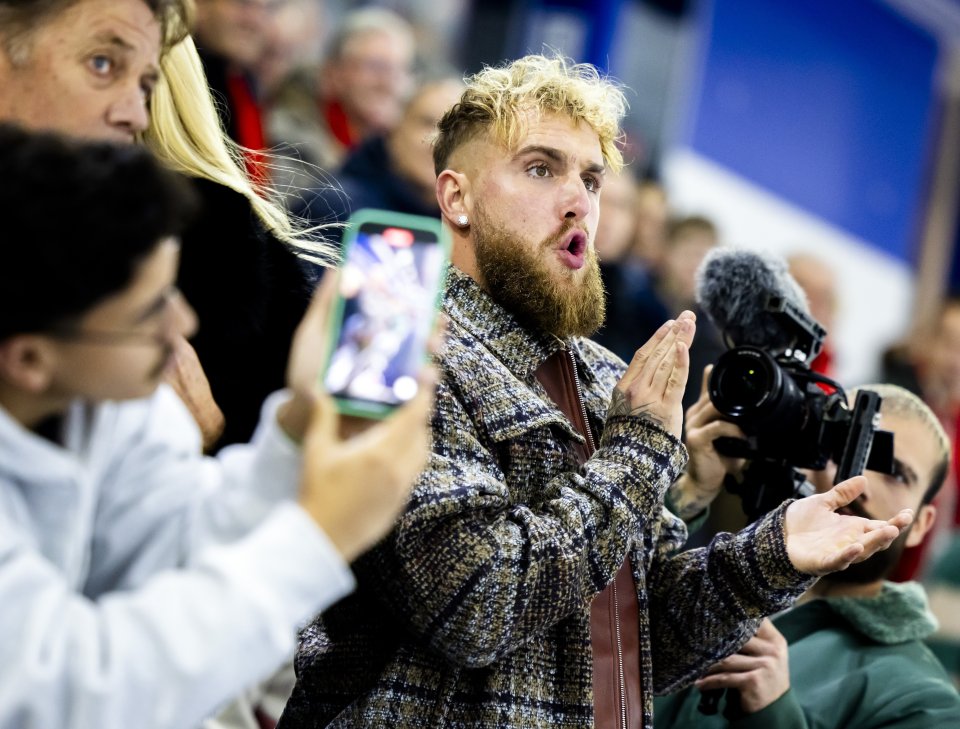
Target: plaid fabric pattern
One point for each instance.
(474, 612)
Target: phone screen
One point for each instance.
(389, 285)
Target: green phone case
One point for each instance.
(370, 408)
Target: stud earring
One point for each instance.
(462, 220)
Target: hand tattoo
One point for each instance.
(619, 405)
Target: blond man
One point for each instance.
(529, 582)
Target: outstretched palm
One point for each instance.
(820, 541)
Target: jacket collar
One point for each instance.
(520, 349)
(898, 614)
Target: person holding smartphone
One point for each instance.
(533, 580)
(141, 584)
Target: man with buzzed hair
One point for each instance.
(356, 93)
(532, 580)
(850, 655)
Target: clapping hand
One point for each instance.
(652, 387)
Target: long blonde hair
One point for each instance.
(186, 134)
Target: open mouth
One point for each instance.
(573, 249)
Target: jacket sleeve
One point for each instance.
(161, 503)
(477, 571)
(784, 713)
(169, 652)
(705, 603)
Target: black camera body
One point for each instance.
(792, 416)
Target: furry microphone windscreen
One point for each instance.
(733, 287)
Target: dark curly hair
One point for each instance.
(76, 219)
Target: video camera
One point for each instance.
(793, 417)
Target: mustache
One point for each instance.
(554, 240)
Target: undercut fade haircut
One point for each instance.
(20, 18)
(498, 99)
(78, 219)
(903, 403)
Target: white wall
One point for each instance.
(876, 290)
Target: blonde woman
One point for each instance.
(239, 266)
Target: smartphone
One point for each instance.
(391, 283)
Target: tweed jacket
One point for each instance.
(475, 612)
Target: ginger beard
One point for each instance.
(521, 281)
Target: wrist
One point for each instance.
(689, 496)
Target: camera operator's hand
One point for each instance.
(760, 670)
(652, 387)
(703, 479)
(820, 541)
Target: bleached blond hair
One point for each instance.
(499, 99)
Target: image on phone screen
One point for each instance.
(389, 283)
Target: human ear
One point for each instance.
(922, 521)
(453, 196)
(27, 362)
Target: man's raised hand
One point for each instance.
(652, 387)
(820, 541)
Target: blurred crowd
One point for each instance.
(325, 114)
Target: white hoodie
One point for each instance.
(141, 584)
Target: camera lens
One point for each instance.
(751, 388)
(745, 383)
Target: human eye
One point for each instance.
(101, 64)
(592, 183)
(539, 169)
(900, 475)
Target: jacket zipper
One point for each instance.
(583, 407)
(621, 680)
(621, 676)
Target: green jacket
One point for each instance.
(855, 663)
(943, 587)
